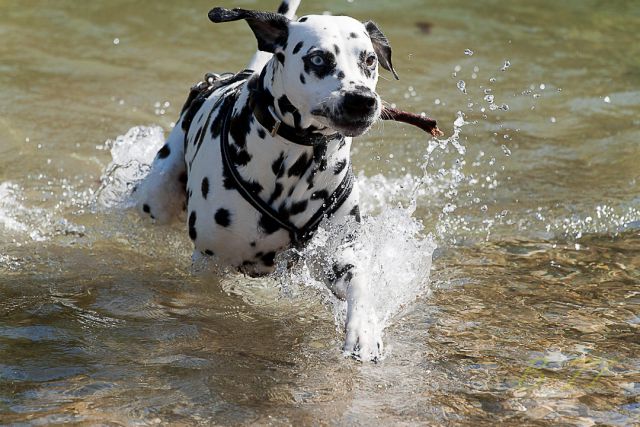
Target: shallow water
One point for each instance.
(530, 313)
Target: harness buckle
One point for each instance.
(276, 126)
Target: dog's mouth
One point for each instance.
(344, 123)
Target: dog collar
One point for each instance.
(264, 114)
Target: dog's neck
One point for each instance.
(285, 171)
(272, 90)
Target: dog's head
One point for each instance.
(328, 64)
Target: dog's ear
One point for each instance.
(271, 29)
(381, 47)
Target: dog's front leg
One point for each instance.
(363, 338)
(350, 281)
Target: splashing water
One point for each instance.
(394, 247)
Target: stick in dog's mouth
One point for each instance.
(425, 123)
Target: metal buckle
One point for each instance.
(276, 126)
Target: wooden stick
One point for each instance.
(425, 123)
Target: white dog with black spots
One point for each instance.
(260, 158)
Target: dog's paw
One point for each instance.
(364, 337)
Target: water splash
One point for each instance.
(132, 155)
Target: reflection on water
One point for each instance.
(531, 310)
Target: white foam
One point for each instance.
(132, 155)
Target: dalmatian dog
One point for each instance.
(260, 158)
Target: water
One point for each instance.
(528, 315)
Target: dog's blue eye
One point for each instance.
(317, 60)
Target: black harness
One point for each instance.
(298, 235)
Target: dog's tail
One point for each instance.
(288, 8)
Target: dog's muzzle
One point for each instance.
(354, 112)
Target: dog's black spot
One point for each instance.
(320, 156)
(311, 177)
(238, 156)
(340, 75)
(278, 166)
(146, 208)
(283, 212)
(208, 252)
(205, 187)
(320, 195)
(252, 244)
(277, 192)
(355, 211)
(302, 79)
(221, 116)
(262, 134)
(303, 19)
(300, 166)
(297, 48)
(248, 263)
(240, 126)
(284, 8)
(268, 225)
(223, 217)
(298, 207)
(353, 36)
(339, 167)
(192, 226)
(253, 186)
(268, 259)
(336, 49)
(164, 152)
(280, 57)
(287, 107)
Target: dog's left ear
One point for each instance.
(271, 29)
(381, 47)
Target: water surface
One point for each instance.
(530, 313)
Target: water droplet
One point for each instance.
(506, 65)
(489, 99)
(116, 41)
(607, 100)
(487, 91)
(459, 122)
(437, 101)
(483, 208)
(504, 107)
(468, 52)
(553, 119)
(506, 150)
(462, 86)
(492, 79)
(542, 86)
(476, 69)
(457, 68)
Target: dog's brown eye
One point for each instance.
(371, 60)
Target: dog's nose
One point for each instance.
(359, 103)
